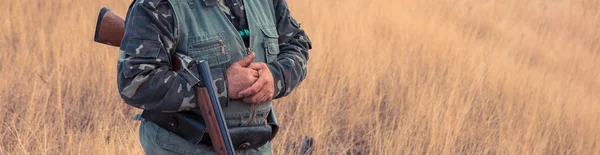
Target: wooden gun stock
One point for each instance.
(213, 114)
(110, 29)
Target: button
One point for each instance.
(244, 145)
(173, 123)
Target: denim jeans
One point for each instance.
(156, 140)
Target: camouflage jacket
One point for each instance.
(149, 82)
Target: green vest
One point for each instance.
(205, 33)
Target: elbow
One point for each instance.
(128, 88)
(127, 94)
(130, 98)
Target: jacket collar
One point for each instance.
(210, 2)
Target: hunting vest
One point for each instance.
(205, 33)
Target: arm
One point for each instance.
(290, 68)
(145, 76)
(279, 78)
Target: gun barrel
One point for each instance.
(213, 114)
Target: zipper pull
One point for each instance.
(222, 46)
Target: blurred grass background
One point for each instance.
(385, 77)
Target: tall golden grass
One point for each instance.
(385, 77)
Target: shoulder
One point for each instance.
(152, 4)
(277, 2)
(156, 10)
(159, 6)
(147, 19)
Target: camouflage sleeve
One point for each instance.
(290, 68)
(145, 78)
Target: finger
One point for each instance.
(257, 66)
(250, 98)
(260, 68)
(269, 95)
(265, 96)
(247, 60)
(250, 72)
(254, 73)
(253, 79)
(255, 88)
(264, 93)
(256, 98)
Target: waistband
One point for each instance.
(190, 126)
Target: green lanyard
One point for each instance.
(245, 33)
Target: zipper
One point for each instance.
(248, 12)
(238, 37)
(249, 29)
(248, 49)
(208, 44)
(222, 46)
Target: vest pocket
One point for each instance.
(212, 50)
(271, 43)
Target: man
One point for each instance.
(255, 49)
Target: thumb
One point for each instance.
(247, 59)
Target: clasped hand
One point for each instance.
(250, 81)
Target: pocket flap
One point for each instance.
(142, 48)
(270, 31)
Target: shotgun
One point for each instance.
(110, 29)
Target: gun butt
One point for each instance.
(110, 28)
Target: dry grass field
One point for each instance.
(385, 77)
